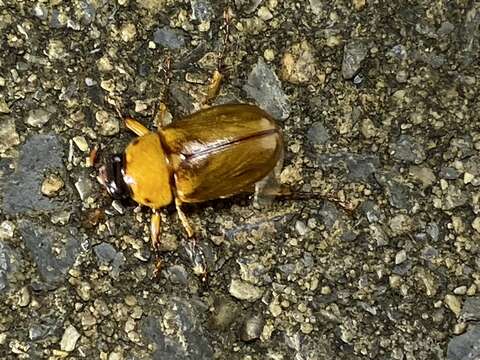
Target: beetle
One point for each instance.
(214, 153)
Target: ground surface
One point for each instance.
(379, 106)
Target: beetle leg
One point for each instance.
(217, 77)
(155, 229)
(183, 218)
(161, 112)
(136, 127)
(214, 87)
(270, 186)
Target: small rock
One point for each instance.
(407, 149)
(201, 10)
(471, 308)
(401, 224)
(7, 229)
(69, 339)
(264, 86)
(465, 346)
(84, 187)
(301, 227)
(81, 143)
(52, 185)
(56, 50)
(353, 55)
(298, 64)
(37, 117)
(476, 224)
(105, 253)
(423, 174)
(400, 257)
(166, 37)
(4, 109)
(318, 134)
(107, 125)
(8, 134)
(252, 328)
(359, 4)
(453, 303)
(128, 32)
(461, 290)
(264, 13)
(245, 291)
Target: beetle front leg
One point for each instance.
(183, 218)
(136, 127)
(155, 228)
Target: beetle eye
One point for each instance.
(111, 176)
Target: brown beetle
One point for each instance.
(214, 153)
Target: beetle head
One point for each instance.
(111, 177)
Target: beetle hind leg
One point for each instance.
(270, 187)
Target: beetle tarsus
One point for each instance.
(155, 229)
(214, 87)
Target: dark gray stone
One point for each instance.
(318, 134)
(360, 167)
(189, 341)
(201, 10)
(105, 253)
(9, 263)
(354, 53)
(39, 154)
(408, 149)
(471, 309)
(169, 38)
(53, 252)
(465, 346)
(264, 86)
(449, 173)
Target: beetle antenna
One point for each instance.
(161, 110)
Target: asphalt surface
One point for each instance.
(378, 103)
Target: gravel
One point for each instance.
(378, 259)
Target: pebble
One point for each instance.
(8, 135)
(301, 227)
(298, 64)
(171, 39)
(244, 291)
(56, 50)
(81, 143)
(37, 117)
(69, 339)
(453, 303)
(354, 53)
(400, 224)
(252, 328)
(318, 134)
(108, 125)
(264, 86)
(400, 257)
(52, 185)
(84, 187)
(4, 109)
(128, 32)
(7, 229)
(476, 224)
